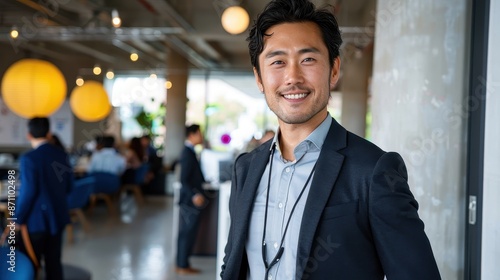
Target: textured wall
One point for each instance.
(419, 109)
(491, 209)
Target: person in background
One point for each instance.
(192, 200)
(54, 140)
(268, 135)
(148, 147)
(135, 156)
(46, 177)
(135, 153)
(317, 202)
(254, 142)
(107, 159)
(154, 161)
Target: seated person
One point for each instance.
(135, 156)
(107, 159)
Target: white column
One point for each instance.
(175, 119)
(419, 89)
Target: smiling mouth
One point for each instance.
(295, 96)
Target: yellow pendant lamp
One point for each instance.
(33, 88)
(235, 20)
(90, 102)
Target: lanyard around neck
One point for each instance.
(278, 255)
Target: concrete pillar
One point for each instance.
(491, 189)
(356, 71)
(419, 109)
(175, 119)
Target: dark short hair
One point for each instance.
(39, 127)
(108, 141)
(291, 11)
(192, 129)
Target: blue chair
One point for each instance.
(82, 189)
(139, 180)
(77, 200)
(24, 269)
(106, 185)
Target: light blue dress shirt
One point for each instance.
(287, 181)
(107, 160)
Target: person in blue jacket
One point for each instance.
(46, 178)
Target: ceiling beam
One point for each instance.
(63, 33)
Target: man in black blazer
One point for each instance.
(191, 201)
(317, 202)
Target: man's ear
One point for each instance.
(258, 80)
(335, 73)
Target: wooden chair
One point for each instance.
(26, 265)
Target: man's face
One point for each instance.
(197, 138)
(295, 74)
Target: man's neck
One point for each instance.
(292, 135)
(36, 142)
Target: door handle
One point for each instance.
(472, 209)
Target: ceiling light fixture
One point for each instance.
(110, 74)
(79, 81)
(14, 33)
(97, 70)
(168, 84)
(235, 20)
(134, 56)
(115, 18)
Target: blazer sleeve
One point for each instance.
(28, 191)
(402, 245)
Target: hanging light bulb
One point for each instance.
(153, 76)
(79, 81)
(97, 70)
(134, 56)
(168, 84)
(115, 18)
(110, 74)
(14, 33)
(235, 20)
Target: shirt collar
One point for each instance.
(189, 145)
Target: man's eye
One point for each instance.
(309, 59)
(278, 62)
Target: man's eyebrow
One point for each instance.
(274, 53)
(309, 50)
(301, 51)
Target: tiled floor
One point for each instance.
(136, 245)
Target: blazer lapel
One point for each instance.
(246, 196)
(327, 171)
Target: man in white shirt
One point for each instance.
(107, 159)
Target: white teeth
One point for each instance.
(295, 96)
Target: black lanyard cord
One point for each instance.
(278, 255)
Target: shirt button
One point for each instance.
(280, 205)
(287, 169)
(275, 245)
(270, 277)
